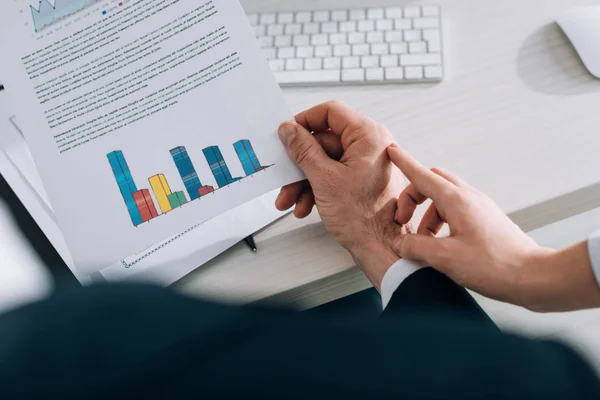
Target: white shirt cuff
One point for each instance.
(594, 250)
(395, 276)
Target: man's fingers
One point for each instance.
(331, 143)
(304, 149)
(435, 252)
(289, 195)
(305, 204)
(408, 201)
(450, 177)
(333, 115)
(432, 222)
(425, 181)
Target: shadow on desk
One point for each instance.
(548, 63)
(52, 260)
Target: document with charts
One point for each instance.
(143, 117)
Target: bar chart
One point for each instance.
(143, 207)
(46, 12)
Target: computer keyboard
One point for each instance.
(356, 46)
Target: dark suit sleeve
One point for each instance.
(430, 293)
(141, 342)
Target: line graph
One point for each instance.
(46, 12)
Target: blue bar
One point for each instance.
(126, 184)
(218, 166)
(187, 171)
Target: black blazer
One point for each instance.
(432, 342)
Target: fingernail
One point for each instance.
(287, 132)
(394, 145)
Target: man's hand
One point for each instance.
(350, 179)
(486, 251)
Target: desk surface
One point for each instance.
(516, 117)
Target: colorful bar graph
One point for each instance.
(126, 184)
(145, 205)
(247, 157)
(187, 171)
(203, 191)
(218, 166)
(161, 190)
(140, 203)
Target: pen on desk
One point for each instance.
(251, 243)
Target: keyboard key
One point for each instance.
(286, 52)
(356, 38)
(398, 48)
(339, 15)
(375, 37)
(305, 52)
(270, 53)
(267, 18)
(412, 12)
(321, 16)
(277, 65)
(274, 30)
(323, 51)
(366, 26)
(417, 47)
(413, 72)
(392, 74)
(266, 41)
(380, 48)
(294, 64)
(434, 73)
(393, 13)
(424, 23)
(303, 16)
(389, 61)
(311, 27)
(348, 26)
(400, 24)
(431, 11)
(431, 34)
(283, 41)
(301, 40)
(384, 25)
(342, 50)
(338, 38)
(293, 29)
(412, 36)
(351, 62)
(361, 50)
(329, 27)
(357, 15)
(313, 63)
(369, 61)
(320, 39)
(285, 18)
(433, 38)
(420, 59)
(353, 75)
(375, 74)
(394, 36)
(260, 30)
(299, 77)
(375, 13)
(332, 63)
(253, 18)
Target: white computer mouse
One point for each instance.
(582, 27)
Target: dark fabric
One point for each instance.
(428, 293)
(143, 342)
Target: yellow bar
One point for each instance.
(161, 191)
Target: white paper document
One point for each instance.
(143, 117)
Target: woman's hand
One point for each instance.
(486, 251)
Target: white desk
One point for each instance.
(517, 116)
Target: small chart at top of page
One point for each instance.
(45, 17)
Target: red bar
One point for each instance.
(203, 191)
(145, 205)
